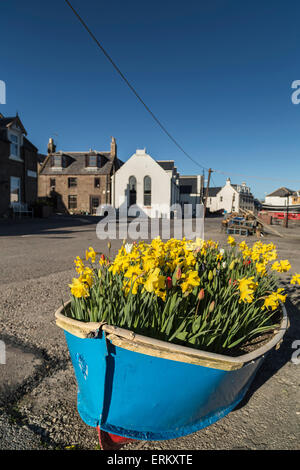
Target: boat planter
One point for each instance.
(142, 388)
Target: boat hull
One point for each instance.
(140, 388)
(142, 397)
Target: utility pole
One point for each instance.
(287, 213)
(207, 187)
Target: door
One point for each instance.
(94, 204)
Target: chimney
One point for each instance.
(113, 147)
(51, 146)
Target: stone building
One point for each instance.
(18, 166)
(78, 182)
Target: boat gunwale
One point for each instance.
(129, 340)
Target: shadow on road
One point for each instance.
(53, 225)
(276, 359)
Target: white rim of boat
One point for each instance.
(127, 339)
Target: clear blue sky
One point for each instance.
(217, 73)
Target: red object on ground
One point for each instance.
(110, 441)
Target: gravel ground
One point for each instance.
(38, 388)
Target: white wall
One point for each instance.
(277, 201)
(140, 165)
(212, 203)
(231, 200)
(225, 198)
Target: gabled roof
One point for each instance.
(281, 192)
(9, 121)
(76, 163)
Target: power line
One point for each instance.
(131, 87)
(255, 176)
(153, 115)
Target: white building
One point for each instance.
(148, 185)
(230, 197)
(281, 197)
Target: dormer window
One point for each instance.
(57, 161)
(92, 161)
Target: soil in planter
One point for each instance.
(256, 342)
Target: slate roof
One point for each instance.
(212, 191)
(8, 121)
(75, 164)
(166, 164)
(281, 192)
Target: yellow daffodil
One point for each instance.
(190, 280)
(243, 246)
(90, 254)
(79, 265)
(155, 281)
(79, 288)
(281, 266)
(247, 289)
(295, 279)
(273, 300)
(231, 241)
(261, 268)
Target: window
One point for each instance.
(72, 182)
(72, 202)
(52, 182)
(14, 145)
(15, 186)
(93, 160)
(132, 190)
(221, 199)
(186, 189)
(97, 183)
(57, 161)
(95, 202)
(147, 191)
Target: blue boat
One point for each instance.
(141, 388)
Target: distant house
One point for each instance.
(78, 182)
(212, 201)
(282, 203)
(18, 166)
(281, 197)
(230, 197)
(149, 185)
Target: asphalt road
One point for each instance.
(37, 384)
